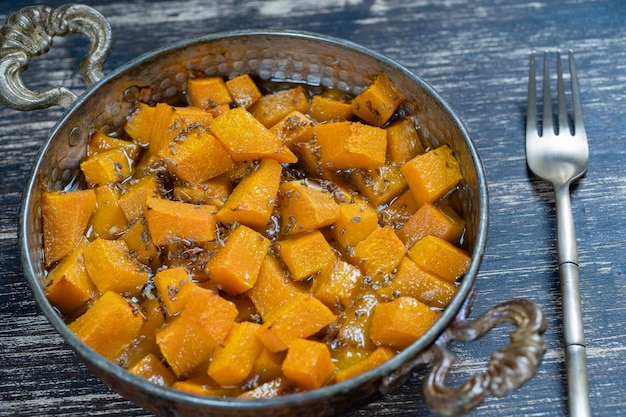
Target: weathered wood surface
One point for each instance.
(475, 53)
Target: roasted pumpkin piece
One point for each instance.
(412, 281)
(432, 174)
(327, 109)
(139, 123)
(403, 142)
(246, 139)
(380, 185)
(304, 206)
(253, 199)
(356, 221)
(376, 358)
(440, 257)
(112, 166)
(99, 142)
(270, 108)
(112, 268)
(273, 287)
(399, 210)
(170, 221)
(307, 254)
(133, 200)
(174, 288)
(308, 364)
(337, 285)
(437, 220)
(214, 314)
(379, 253)
(212, 192)
(65, 216)
(196, 157)
(294, 128)
(350, 145)
(267, 365)
(108, 220)
(151, 368)
(207, 93)
(399, 323)
(232, 363)
(173, 123)
(109, 326)
(232, 271)
(268, 389)
(243, 90)
(378, 102)
(68, 284)
(299, 317)
(139, 243)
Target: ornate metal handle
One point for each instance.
(507, 370)
(29, 32)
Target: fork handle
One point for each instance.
(574, 336)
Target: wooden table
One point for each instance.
(475, 53)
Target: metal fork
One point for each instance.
(560, 156)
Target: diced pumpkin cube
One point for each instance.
(272, 288)
(174, 123)
(214, 314)
(269, 389)
(169, 221)
(327, 109)
(109, 326)
(112, 268)
(145, 342)
(337, 285)
(380, 185)
(308, 157)
(207, 93)
(107, 167)
(246, 139)
(356, 221)
(305, 206)
(68, 284)
(354, 325)
(133, 200)
(233, 362)
(267, 365)
(299, 317)
(236, 265)
(376, 358)
(399, 323)
(403, 143)
(440, 257)
(350, 145)
(432, 174)
(212, 192)
(400, 210)
(293, 128)
(252, 201)
(139, 124)
(437, 220)
(151, 368)
(174, 287)
(308, 364)
(270, 108)
(99, 142)
(139, 243)
(379, 253)
(306, 254)
(412, 281)
(65, 216)
(196, 157)
(243, 90)
(377, 103)
(108, 220)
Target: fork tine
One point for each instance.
(547, 99)
(563, 118)
(579, 123)
(531, 110)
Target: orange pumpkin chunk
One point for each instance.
(107, 167)
(109, 326)
(300, 317)
(403, 143)
(432, 174)
(337, 284)
(133, 201)
(270, 108)
(380, 185)
(170, 221)
(232, 271)
(308, 364)
(437, 220)
(379, 253)
(62, 231)
(139, 124)
(243, 90)
(99, 142)
(356, 221)
(306, 254)
(139, 243)
(400, 210)
(293, 128)
(151, 368)
(376, 358)
(377, 103)
(268, 389)
(213, 192)
(326, 109)
(305, 206)
(174, 287)
(208, 93)
(440, 257)
(108, 220)
(399, 323)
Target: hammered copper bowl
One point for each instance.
(311, 59)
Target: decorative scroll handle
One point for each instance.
(29, 32)
(508, 368)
